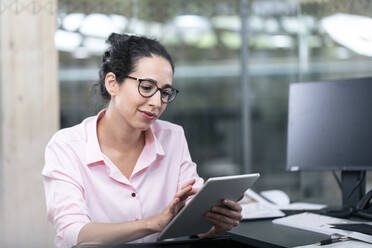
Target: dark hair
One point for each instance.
(123, 54)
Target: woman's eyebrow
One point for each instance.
(149, 79)
(164, 86)
(156, 82)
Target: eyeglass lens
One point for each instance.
(148, 88)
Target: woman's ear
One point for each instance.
(112, 86)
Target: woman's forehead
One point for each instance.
(155, 67)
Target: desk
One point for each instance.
(256, 233)
(265, 234)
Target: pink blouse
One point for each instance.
(82, 185)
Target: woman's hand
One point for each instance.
(224, 217)
(159, 221)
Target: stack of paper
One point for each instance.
(269, 204)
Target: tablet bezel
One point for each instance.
(197, 204)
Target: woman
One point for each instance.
(122, 175)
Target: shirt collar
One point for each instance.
(151, 139)
(93, 154)
(150, 152)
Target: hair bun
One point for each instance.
(106, 56)
(114, 38)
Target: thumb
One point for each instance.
(173, 205)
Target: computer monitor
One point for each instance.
(330, 128)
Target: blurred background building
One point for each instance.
(234, 62)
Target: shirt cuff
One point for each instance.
(68, 237)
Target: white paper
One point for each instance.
(281, 199)
(276, 196)
(302, 206)
(322, 224)
(258, 211)
(343, 244)
(256, 207)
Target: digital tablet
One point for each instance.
(190, 220)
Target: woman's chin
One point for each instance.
(143, 126)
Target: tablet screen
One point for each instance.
(190, 220)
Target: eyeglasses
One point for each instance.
(148, 87)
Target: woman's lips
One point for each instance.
(148, 115)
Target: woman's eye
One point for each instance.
(147, 87)
(166, 93)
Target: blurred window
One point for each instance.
(289, 41)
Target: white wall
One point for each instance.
(29, 116)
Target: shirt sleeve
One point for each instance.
(66, 206)
(188, 167)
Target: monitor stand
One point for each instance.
(353, 187)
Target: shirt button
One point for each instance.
(134, 194)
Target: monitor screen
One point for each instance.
(330, 125)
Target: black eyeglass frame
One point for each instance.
(157, 88)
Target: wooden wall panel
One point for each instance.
(29, 116)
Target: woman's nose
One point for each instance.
(155, 100)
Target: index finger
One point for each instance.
(183, 192)
(232, 205)
(191, 182)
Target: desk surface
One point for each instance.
(254, 233)
(265, 234)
